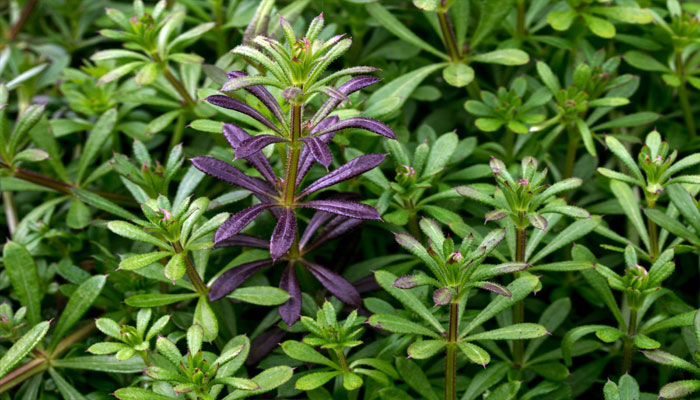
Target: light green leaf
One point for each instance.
(396, 324)
(304, 352)
(512, 332)
(98, 135)
(22, 347)
(422, 349)
(24, 278)
(80, 301)
(397, 91)
(142, 260)
(260, 295)
(458, 74)
(503, 57)
(205, 317)
(133, 232)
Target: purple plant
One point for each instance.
(307, 142)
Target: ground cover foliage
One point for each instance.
(349, 199)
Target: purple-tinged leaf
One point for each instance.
(235, 135)
(495, 287)
(255, 144)
(494, 215)
(228, 173)
(346, 208)
(321, 217)
(238, 221)
(538, 221)
(264, 344)
(325, 123)
(406, 282)
(346, 171)
(284, 233)
(243, 108)
(335, 93)
(262, 94)
(366, 284)
(243, 241)
(290, 310)
(338, 226)
(319, 150)
(305, 160)
(347, 88)
(442, 296)
(234, 277)
(317, 220)
(367, 124)
(336, 284)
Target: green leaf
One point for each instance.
(260, 295)
(611, 391)
(396, 324)
(118, 72)
(31, 155)
(188, 35)
(458, 74)
(162, 121)
(78, 215)
(630, 15)
(503, 57)
(133, 232)
(269, 379)
(630, 205)
(386, 280)
(147, 74)
(140, 394)
(98, 135)
(423, 349)
(586, 136)
(142, 260)
(629, 389)
(627, 121)
(101, 203)
(80, 301)
(315, 379)
(440, 153)
(414, 376)
(519, 288)
(205, 317)
(561, 20)
(571, 233)
(394, 94)
(67, 390)
(683, 201)
(608, 173)
(112, 54)
(485, 379)
(175, 268)
(24, 278)
(644, 62)
(599, 26)
(573, 336)
(672, 225)
(491, 16)
(22, 347)
(669, 359)
(26, 121)
(679, 389)
(506, 391)
(157, 300)
(609, 102)
(513, 332)
(393, 25)
(102, 363)
(304, 352)
(474, 353)
(547, 77)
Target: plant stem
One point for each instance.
(178, 132)
(179, 87)
(448, 34)
(574, 139)
(629, 342)
(510, 144)
(653, 233)
(683, 97)
(519, 308)
(342, 360)
(293, 156)
(451, 356)
(520, 24)
(23, 18)
(8, 203)
(191, 271)
(60, 186)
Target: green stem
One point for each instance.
(179, 87)
(653, 234)
(683, 96)
(629, 342)
(293, 156)
(571, 148)
(178, 132)
(342, 360)
(448, 34)
(220, 35)
(519, 308)
(510, 144)
(8, 203)
(191, 271)
(451, 356)
(520, 24)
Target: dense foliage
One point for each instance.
(349, 199)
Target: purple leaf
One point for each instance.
(284, 233)
(335, 93)
(496, 288)
(262, 94)
(442, 296)
(231, 279)
(228, 173)
(243, 108)
(254, 144)
(347, 88)
(235, 135)
(238, 221)
(338, 226)
(305, 160)
(264, 344)
(336, 284)
(325, 124)
(367, 124)
(243, 241)
(346, 171)
(319, 150)
(366, 284)
(346, 208)
(319, 218)
(290, 310)
(406, 282)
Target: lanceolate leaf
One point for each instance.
(241, 107)
(77, 306)
(284, 234)
(335, 284)
(235, 136)
(347, 171)
(228, 173)
(22, 347)
(23, 275)
(367, 124)
(231, 279)
(239, 221)
(345, 208)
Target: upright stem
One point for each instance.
(191, 271)
(23, 18)
(179, 87)
(178, 132)
(653, 233)
(574, 139)
(519, 308)
(293, 156)
(448, 34)
(8, 203)
(520, 24)
(629, 342)
(451, 356)
(683, 97)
